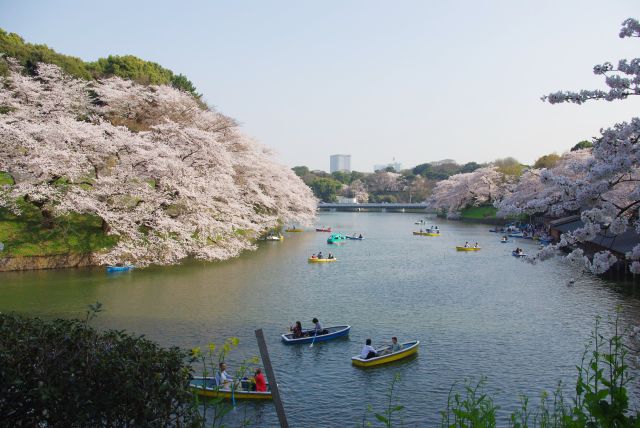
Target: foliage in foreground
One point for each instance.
(601, 398)
(65, 373)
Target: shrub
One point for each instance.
(65, 373)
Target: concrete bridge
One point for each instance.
(383, 207)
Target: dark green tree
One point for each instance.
(470, 167)
(584, 144)
(300, 171)
(325, 189)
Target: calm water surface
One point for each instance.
(480, 313)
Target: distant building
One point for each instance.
(397, 166)
(343, 200)
(442, 162)
(340, 163)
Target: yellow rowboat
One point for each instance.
(426, 234)
(206, 387)
(294, 230)
(408, 349)
(312, 260)
(468, 248)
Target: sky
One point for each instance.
(414, 81)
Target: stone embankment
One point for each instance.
(46, 262)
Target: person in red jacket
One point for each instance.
(261, 383)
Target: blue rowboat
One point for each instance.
(355, 238)
(516, 254)
(119, 268)
(332, 333)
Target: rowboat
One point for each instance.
(294, 230)
(516, 254)
(274, 238)
(336, 237)
(468, 248)
(516, 235)
(332, 333)
(408, 349)
(426, 234)
(504, 241)
(207, 387)
(354, 238)
(317, 260)
(328, 229)
(119, 268)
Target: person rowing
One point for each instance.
(317, 328)
(394, 347)
(320, 256)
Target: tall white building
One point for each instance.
(340, 163)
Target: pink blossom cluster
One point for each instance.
(602, 184)
(482, 186)
(170, 178)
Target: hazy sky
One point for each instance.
(415, 80)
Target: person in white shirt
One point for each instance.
(368, 351)
(223, 380)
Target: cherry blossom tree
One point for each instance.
(170, 178)
(608, 194)
(357, 190)
(546, 190)
(482, 186)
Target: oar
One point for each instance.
(314, 338)
(233, 394)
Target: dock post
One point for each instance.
(264, 353)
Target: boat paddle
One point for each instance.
(233, 394)
(314, 339)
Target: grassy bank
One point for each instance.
(26, 235)
(483, 212)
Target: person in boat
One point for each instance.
(261, 382)
(317, 327)
(297, 330)
(313, 256)
(466, 244)
(330, 256)
(476, 246)
(320, 255)
(368, 351)
(223, 380)
(420, 230)
(360, 236)
(395, 346)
